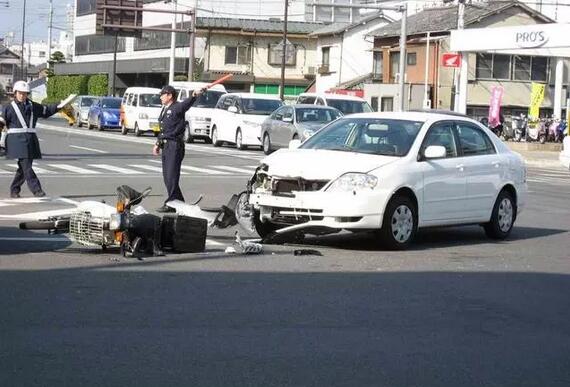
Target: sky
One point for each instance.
(37, 12)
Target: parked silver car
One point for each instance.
(81, 105)
(292, 122)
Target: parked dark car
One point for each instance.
(292, 122)
(105, 113)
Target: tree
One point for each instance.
(56, 57)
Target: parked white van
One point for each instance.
(347, 104)
(238, 117)
(199, 116)
(141, 107)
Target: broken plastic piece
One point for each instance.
(248, 247)
(307, 252)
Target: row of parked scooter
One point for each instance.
(521, 128)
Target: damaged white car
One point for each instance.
(392, 173)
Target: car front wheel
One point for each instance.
(215, 140)
(503, 217)
(263, 228)
(266, 144)
(400, 223)
(239, 140)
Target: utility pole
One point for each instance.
(192, 53)
(23, 38)
(49, 31)
(114, 76)
(172, 44)
(460, 100)
(427, 101)
(284, 53)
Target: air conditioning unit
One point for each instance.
(309, 70)
(323, 69)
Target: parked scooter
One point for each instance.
(536, 131)
(137, 232)
(555, 130)
(519, 126)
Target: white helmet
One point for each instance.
(22, 86)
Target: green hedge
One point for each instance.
(61, 86)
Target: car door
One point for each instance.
(286, 128)
(93, 111)
(443, 180)
(130, 112)
(271, 126)
(227, 119)
(484, 169)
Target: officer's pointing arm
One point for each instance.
(45, 111)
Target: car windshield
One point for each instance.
(150, 100)
(379, 136)
(111, 103)
(86, 102)
(316, 115)
(259, 106)
(208, 99)
(347, 106)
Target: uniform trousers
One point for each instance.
(172, 156)
(27, 174)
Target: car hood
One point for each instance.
(319, 164)
(312, 126)
(115, 112)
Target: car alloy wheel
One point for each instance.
(215, 141)
(400, 223)
(503, 216)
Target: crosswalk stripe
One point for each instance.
(196, 169)
(37, 169)
(112, 168)
(234, 169)
(151, 168)
(4, 172)
(74, 169)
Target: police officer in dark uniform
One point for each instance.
(171, 141)
(22, 142)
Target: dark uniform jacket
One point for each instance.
(172, 122)
(25, 145)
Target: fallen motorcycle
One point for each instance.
(137, 232)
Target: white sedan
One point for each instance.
(393, 173)
(565, 153)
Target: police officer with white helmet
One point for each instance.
(22, 142)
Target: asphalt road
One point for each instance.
(455, 310)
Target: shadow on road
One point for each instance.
(429, 238)
(92, 327)
(14, 241)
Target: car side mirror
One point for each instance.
(435, 152)
(294, 144)
(233, 109)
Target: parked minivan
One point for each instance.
(199, 117)
(347, 104)
(141, 107)
(238, 116)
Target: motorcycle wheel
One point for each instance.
(542, 139)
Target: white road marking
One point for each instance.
(196, 169)
(35, 239)
(3, 172)
(37, 169)
(29, 200)
(234, 169)
(39, 214)
(87, 149)
(213, 243)
(112, 168)
(6, 204)
(74, 169)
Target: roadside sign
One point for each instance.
(450, 59)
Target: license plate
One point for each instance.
(155, 127)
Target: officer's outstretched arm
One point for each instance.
(45, 111)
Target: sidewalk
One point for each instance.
(538, 155)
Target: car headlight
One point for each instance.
(143, 116)
(353, 182)
(252, 123)
(115, 222)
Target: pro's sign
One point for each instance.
(450, 59)
(531, 39)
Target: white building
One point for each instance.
(36, 53)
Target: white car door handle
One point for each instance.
(460, 167)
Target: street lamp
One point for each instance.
(23, 35)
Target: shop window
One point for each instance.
(239, 55)
(501, 66)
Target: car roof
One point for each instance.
(345, 97)
(412, 116)
(311, 106)
(137, 89)
(255, 95)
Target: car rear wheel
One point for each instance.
(503, 217)
(266, 144)
(137, 130)
(400, 223)
(89, 126)
(215, 140)
(263, 228)
(99, 125)
(239, 140)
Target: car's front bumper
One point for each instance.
(337, 210)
